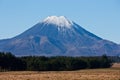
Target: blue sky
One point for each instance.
(101, 17)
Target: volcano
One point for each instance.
(58, 36)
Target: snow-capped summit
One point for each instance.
(57, 36)
(60, 21)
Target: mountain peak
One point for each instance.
(58, 20)
(57, 36)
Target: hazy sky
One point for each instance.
(101, 17)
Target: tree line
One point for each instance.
(9, 62)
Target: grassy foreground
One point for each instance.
(90, 74)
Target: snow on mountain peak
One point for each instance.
(59, 21)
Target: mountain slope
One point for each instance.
(57, 36)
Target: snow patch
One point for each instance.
(59, 21)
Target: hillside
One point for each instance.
(58, 36)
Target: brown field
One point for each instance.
(116, 65)
(90, 74)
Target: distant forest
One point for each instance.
(9, 62)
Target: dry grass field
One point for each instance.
(116, 65)
(90, 74)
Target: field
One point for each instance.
(116, 65)
(90, 74)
